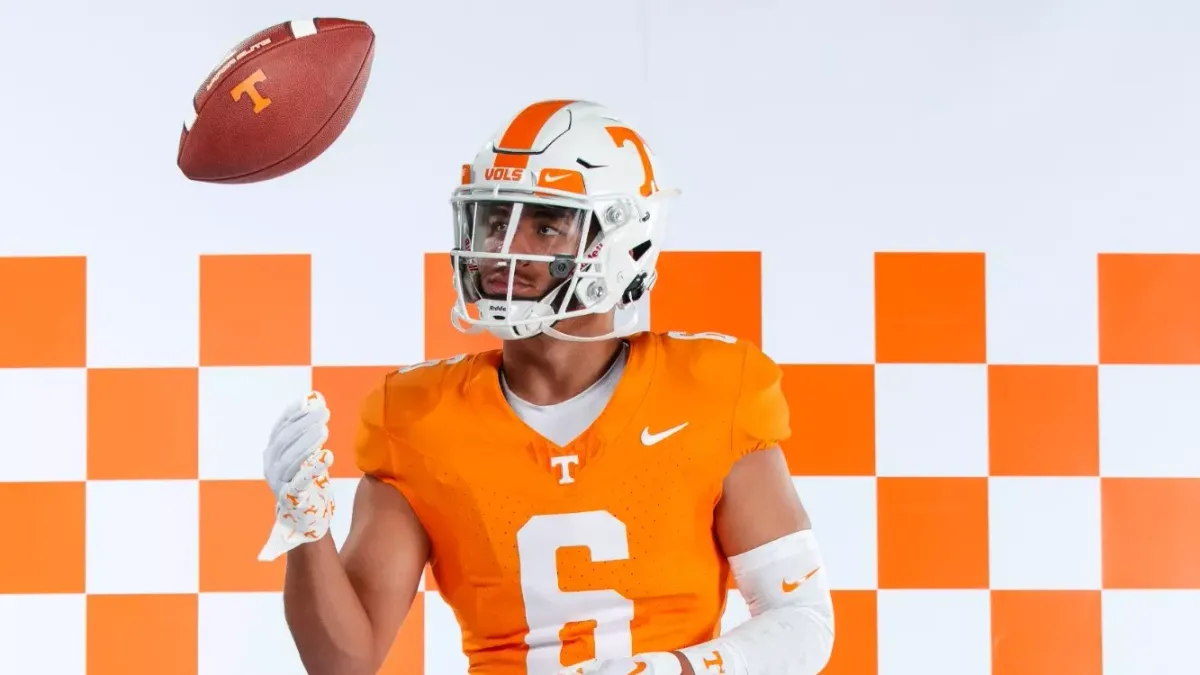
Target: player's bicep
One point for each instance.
(384, 555)
(758, 504)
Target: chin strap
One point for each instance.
(471, 326)
(626, 328)
(467, 326)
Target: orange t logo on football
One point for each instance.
(246, 86)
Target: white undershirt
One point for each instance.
(563, 422)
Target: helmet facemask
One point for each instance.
(526, 261)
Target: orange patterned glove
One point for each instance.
(297, 467)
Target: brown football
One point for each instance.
(277, 101)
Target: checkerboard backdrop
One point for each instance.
(980, 514)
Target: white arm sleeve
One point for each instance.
(790, 631)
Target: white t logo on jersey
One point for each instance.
(564, 464)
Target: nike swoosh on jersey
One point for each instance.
(650, 439)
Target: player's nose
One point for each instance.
(522, 242)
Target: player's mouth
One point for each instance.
(495, 285)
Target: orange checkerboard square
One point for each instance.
(930, 308)
(933, 533)
(1043, 421)
(407, 655)
(46, 298)
(345, 388)
(255, 310)
(142, 423)
(442, 339)
(45, 537)
(1046, 633)
(1148, 532)
(1149, 308)
(235, 520)
(832, 419)
(729, 280)
(129, 634)
(856, 639)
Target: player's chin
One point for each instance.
(503, 296)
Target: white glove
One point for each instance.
(650, 663)
(296, 467)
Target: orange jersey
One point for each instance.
(551, 555)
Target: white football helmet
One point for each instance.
(567, 192)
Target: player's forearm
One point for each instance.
(331, 629)
(791, 626)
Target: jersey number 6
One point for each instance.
(548, 609)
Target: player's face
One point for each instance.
(522, 229)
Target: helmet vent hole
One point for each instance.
(640, 250)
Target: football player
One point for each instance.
(583, 493)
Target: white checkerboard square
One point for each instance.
(443, 638)
(43, 634)
(143, 310)
(844, 513)
(45, 423)
(736, 613)
(366, 301)
(143, 536)
(942, 632)
(238, 407)
(245, 634)
(931, 420)
(1044, 533)
(1041, 306)
(343, 495)
(1150, 632)
(1149, 426)
(818, 305)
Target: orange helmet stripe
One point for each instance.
(523, 131)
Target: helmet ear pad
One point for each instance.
(641, 284)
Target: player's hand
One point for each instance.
(296, 466)
(650, 663)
